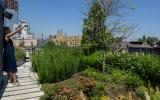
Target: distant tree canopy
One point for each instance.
(149, 40)
(158, 43)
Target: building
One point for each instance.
(25, 32)
(24, 38)
(12, 7)
(134, 46)
(11, 4)
(61, 37)
(27, 43)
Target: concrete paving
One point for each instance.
(29, 89)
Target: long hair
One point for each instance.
(6, 29)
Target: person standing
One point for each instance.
(9, 55)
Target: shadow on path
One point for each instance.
(20, 62)
(4, 85)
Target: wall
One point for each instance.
(27, 42)
(1, 42)
(72, 41)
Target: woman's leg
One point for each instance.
(14, 78)
(10, 77)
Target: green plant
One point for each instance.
(55, 63)
(133, 81)
(99, 89)
(97, 75)
(95, 32)
(75, 88)
(146, 66)
(93, 60)
(118, 76)
(149, 92)
(19, 53)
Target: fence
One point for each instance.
(145, 50)
(132, 49)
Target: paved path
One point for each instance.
(29, 89)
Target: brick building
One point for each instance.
(27, 43)
(11, 4)
(71, 41)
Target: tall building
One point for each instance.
(12, 7)
(25, 32)
(24, 37)
(61, 37)
(11, 4)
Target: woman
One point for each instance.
(9, 54)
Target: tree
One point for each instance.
(115, 10)
(94, 29)
(103, 21)
(152, 40)
(149, 40)
(158, 43)
(143, 39)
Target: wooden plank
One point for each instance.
(35, 98)
(21, 84)
(21, 87)
(19, 92)
(23, 80)
(23, 96)
(29, 88)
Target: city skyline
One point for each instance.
(47, 16)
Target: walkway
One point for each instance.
(29, 89)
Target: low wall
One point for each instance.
(25, 42)
(144, 50)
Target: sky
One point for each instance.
(47, 16)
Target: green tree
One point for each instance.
(143, 39)
(158, 43)
(94, 29)
(152, 40)
(149, 40)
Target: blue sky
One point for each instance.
(47, 16)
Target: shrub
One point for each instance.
(19, 53)
(148, 92)
(93, 60)
(97, 75)
(146, 66)
(49, 90)
(75, 88)
(133, 81)
(99, 89)
(118, 76)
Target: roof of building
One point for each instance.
(140, 46)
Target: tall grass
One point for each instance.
(19, 53)
(56, 63)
